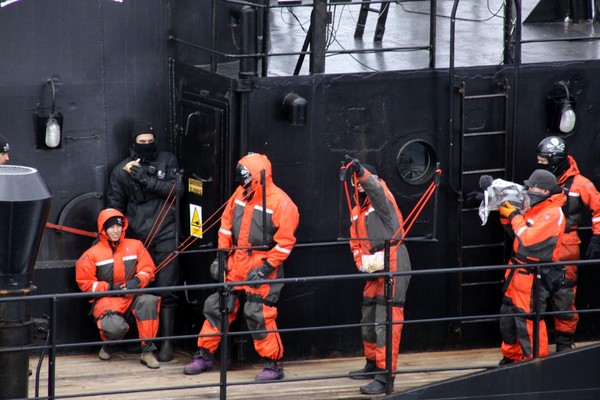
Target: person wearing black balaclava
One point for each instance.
(139, 187)
(582, 199)
(538, 230)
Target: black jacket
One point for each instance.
(142, 202)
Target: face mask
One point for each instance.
(242, 176)
(535, 198)
(147, 150)
(544, 167)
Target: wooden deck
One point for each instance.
(85, 376)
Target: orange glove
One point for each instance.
(507, 210)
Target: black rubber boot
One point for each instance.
(564, 341)
(505, 361)
(369, 367)
(166, 328)
(377, 385)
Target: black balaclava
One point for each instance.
(146, 151)
(536, 198)
(542, 179)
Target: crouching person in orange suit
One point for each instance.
(113, 264)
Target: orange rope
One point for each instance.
(162, 214)
(184, 245)
(414, 213)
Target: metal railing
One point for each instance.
(256, 48)
(52, 347)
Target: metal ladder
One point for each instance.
(365, 8)
(490, 240)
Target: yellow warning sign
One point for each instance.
(195, 186)
(195, 220)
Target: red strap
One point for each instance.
(72, 230)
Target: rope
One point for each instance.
(414, 213)
(162, 214)
(187, 243)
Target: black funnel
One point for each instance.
(24, 206)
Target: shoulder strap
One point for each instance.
(565, 207)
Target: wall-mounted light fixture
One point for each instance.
(49, 127)
(561, 109)
(295, 107)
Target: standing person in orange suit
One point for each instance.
(242, 226)
(538, 232)
(552, 155)
(376, 217)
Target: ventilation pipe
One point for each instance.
(246, 17)
(24, 206)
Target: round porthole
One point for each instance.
(416, 162)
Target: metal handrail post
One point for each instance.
(389, 312)
(52, 351)
(265, 38)
(432, 32)
(223, 292)
(537, 318)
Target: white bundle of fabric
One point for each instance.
(497, 193)
(372, 262)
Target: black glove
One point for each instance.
(214, 270)
(485, 181)
(473, 199)
(260, 273)
(593, 250)
(357, 168)
(115, 286)
(139, 173)
(133, 283)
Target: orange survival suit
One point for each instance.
(378, 218)
(538, 234)
(581, 193)
(242, 226)
(103, 268)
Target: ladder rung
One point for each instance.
(485, 96)
(489, 133)
(483, 171)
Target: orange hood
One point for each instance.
(255, 163)
(104, 216)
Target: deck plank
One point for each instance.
(85, 376)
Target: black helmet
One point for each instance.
(554, 149)
(242, 176)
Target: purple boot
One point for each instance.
(272, 371)
(203, 361)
